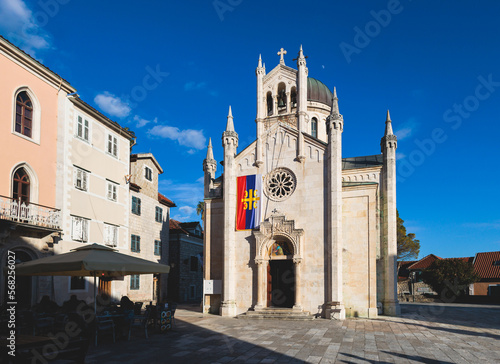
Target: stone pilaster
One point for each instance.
(298, 284)
(230, 144)
(335, 124)
(261, 277)
(301, 103)
(388, 146)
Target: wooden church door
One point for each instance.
(269, 285)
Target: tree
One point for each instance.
(449, 277)
(200, 209)
(408, 246)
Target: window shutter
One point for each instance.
(84, 180)
(84, 230)
(115, 235)
(75, 177)
(115, 195)
(110, 194)
(115, 147)
(86, 130)
(79, 127)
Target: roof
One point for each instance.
(362, 162)
(134, 187)
(485, 267)
(424, 262)
(190, 225)
(176, 225)
(165, 201)
(318, 91)
(129, 134)
(136, 156)
(20, 55)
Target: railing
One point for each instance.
(31, 213)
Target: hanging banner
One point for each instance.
(248, 205)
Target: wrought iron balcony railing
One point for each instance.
(31, 213)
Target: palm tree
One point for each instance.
(200, 209)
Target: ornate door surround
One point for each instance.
(275, 228)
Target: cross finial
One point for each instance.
(281, 53)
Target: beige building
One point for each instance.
(30, 220)
(325, 242)
(149, 227)
(93, 156)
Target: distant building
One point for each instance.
(185, 281)
(149, 227)
(487, 266)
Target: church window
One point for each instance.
(280, 184)
(24, 114)
(269, 99)
(293, 96)
(281, 96)
(314, 127)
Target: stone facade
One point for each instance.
(186, 264)
(149, 226)
(336, 218)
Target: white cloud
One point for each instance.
(140, 122)
(483, 225)
(188, 137)
(406, 129)
(17, 22)
(186, 195)
(400, 156)
(112, 104)
(403, 133)
(187, 210)
(192, 85)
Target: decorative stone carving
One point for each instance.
(280, 184)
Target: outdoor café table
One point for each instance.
(24, 344)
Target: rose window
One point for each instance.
(280, 184)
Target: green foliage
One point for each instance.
(200, 209)
(408, 246)
(449, 277)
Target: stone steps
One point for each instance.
(272, 313)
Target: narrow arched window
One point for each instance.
(281, 96)
(314, 127)
(293, 97)
(21, 186)
(269, 99)
(24, 114)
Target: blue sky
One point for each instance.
(169, 71)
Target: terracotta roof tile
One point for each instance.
(176, 225)
(485, 265)
(166, 201)
(424, 262)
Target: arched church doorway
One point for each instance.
(281, 276)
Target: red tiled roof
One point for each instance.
(176, 225)
(484, 265)
(165, 201)
(424, 262)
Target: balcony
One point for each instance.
(30, 215)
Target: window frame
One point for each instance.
(157, 248)
(314, 131)
(85, 229)
(137, 204)
(114, 145)
(158, 217)
(86, 283)
(110, 230)
(146, 170)
(35, 119)
(85, 178)
(135, 282)
(114, 191)
(135, 244)
(83, 120)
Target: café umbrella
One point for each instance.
(90, 260)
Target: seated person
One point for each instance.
(126, 304)
(46, 305)
(72, 304)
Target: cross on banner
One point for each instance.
(250, 201)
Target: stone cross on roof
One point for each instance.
(281, 53)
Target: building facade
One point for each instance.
(149, 227)
(30, 218)
(325, 242)
(185, 281)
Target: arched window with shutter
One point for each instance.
(24, 114)
(21, 186)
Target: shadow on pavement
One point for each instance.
(185, 343)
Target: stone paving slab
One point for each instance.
(425, 333)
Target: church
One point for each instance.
(291, 226)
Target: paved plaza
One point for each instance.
(425, 333)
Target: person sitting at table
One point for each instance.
(72, 304)
(46, 305)
(126, 304)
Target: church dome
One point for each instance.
(318, 91)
